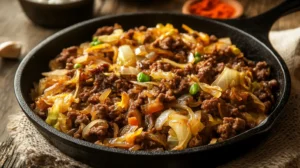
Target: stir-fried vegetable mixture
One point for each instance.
(154, 89)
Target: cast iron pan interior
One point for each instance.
(37, 61)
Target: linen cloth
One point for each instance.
(280, 149)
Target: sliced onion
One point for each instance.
(75, 80)
(175, 64)
(188, 39)
(145, 84)
(203, 36)
(172, 141)
(157, 138)
(230, 77)
(196, 125)
(184, 99)
(128, 128)
(215, 91)
(257, 102)
(225, 40)
(163, 118)
(54, 89)
(210, 48)
(160, 51)
(57, 72)
(116, 129)
(151, 56)
(183, 133)
(135, 148)
(214, 121)
(117, 142)
(104, 95)
(194, 120)
(141, 51)
(81, 59)
(87, 110)
(213, 141)
(126, 56)
(128, 70)
(158, 75)
(115, 54)
(86, 130)
(115, 36)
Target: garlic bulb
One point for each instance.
(10, 49)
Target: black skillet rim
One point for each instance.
(263, 127)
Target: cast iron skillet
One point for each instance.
(251, 35)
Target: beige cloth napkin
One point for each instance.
(280, 149)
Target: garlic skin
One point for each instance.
(10, 49)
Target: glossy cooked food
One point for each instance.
(154, 89)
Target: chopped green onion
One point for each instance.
(194, 89)
(197, 59)
(142, 77)
(76, 66)
(197, 54)
(95, 38)
(95, 41)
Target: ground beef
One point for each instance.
(99, 130)
(230, 127)
(67, 55)
(168, 97)
(261, 71)
(183, 87)
(101, 111)
(195, 141)
(148, 37)
(106, 30)
(78, 132)
(142, 28)
(144, 64)
(210, 106)
(82, 118)
(169, 43)
(213, 38)
(160, 66)
(85, 94)
(206, 73)
(273, 84)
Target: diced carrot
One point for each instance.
(133, 121)
(153, 107)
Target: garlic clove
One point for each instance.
(10, 49)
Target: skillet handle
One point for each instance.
(259, 26)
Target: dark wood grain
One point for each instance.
(14, 25)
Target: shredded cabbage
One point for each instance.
(230, 77)
(175, 64)
(126, 56)
(115, 36)
(158, 75)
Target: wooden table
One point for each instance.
(14, 25)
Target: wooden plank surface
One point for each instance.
(14, 25)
